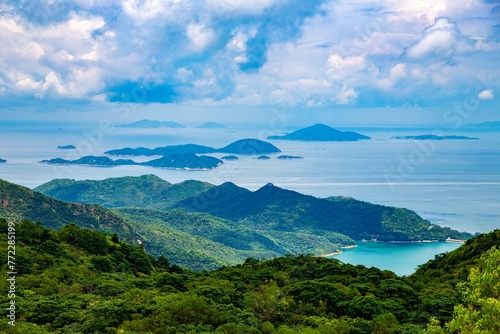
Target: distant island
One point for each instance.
(435, 137)
(167, 150)
(484, 125)
(151, 124)
(211, 125)
(249, 146)
(243, 146)
(91, 160)
(321, 132)
(230, 157)
(2, 161)
(287, 157)
(187, 161)
(263, 157)
(66, 147)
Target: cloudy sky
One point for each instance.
(312, 57)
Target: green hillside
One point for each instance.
(274, 208)
(147, 191)
(17, 203)
(226, 224)
(80, 281)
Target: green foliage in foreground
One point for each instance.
(479, 312)
(82, 281)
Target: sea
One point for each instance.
(454, 183)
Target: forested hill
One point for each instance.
(147, 191)
(81, 281)
(287, 210)
(226, 224)
(17, 202)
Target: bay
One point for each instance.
(402, 259)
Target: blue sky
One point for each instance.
(312, 57)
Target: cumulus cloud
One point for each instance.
(291, 52)
(440, 39)
(486, 94)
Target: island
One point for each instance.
(243, 146)
(151, 124)
(321, 132)
(90, 160)
(66, 147)
(263, 157)
(435, 137)
(211, 125)
(2, 161)
(484, 125)
(186, 161)
(230, 157)
(288, 157)
(249, 146)
(166, 150)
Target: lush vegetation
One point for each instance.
(82, 281)
(321, 132)
(278, 209)
(220, 241)
(18, 203)
(147, 191)
(227, 224)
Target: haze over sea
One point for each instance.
(453, 183)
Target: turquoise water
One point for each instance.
(403, 259)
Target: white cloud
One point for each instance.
(143, 10)
(241, 6)
(440, 39)
(339, 68)
(346, 52)
(486, 95)
(201, 36)
(346, 96)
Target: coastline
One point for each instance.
(338, 252)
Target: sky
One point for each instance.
(362, 61)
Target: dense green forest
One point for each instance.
(225, 224)
(78, 280)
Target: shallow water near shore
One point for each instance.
(401, 258)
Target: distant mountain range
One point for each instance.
(242, 146)
(225, 224)
(211, 125)
(435, 137)
(321, 132)
(151, 124)
(2, 161)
